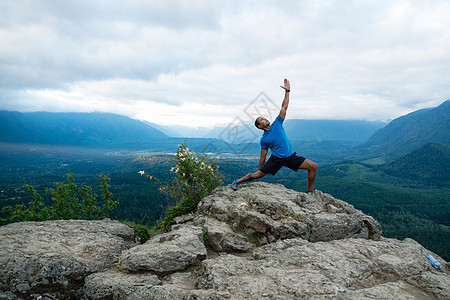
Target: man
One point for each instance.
(275, 138)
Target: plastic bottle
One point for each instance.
(433, 261)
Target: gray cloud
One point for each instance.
(155, 59)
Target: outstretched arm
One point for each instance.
(285, 104)
(262, 158)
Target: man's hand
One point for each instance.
(287, 85)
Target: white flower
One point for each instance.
(141, 172)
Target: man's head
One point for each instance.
(262, 123)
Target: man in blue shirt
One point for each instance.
(275, 138)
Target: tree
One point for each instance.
(68, 202)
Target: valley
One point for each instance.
(404, 207)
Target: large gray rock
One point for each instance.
(266, 212)
(348, 269)
(55, 256)
(265, 242)
(292, 269)
(116, 285)
(165, 253)
(313, 247)
(222, 238)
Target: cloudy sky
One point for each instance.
(201, 63)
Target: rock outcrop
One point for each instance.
(55, 257)
(268, 212)
(261, 242)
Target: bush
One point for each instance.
(69, 202)
(141, 231)
(196, 176)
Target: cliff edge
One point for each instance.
(261, 242)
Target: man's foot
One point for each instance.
(234, 185)
(310, 192)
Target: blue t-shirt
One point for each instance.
(276, 139)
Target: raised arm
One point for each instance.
(285, 104)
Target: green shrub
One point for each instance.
(141, 231)
(68, 202)
(196, 176)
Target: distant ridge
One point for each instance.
(349, 130)
(74, 129)
(429, 164)
(408, 133)
(354, 131)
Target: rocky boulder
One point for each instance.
(268, 242)
(54, 257)
(264, 213)
(261, 242)
(165, 253)
(345, 269)
(291, 269)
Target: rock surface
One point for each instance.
(55, 256)
(260, 242)
(349, 268)
(168, 252)
(266, 212)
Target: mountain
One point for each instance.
(181, 131)
(263, 241)
(167, 130)
(355, 131)
(408, 133)
(74, 129)
(429, 164)
(347, 130)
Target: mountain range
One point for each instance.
(104, 130)
(111, 130)
(74, 129)
(353, 131)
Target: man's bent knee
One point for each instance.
(308, 165)
(258, 174)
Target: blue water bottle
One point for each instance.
(433, 261)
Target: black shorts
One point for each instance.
(274, 164)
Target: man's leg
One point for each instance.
(312, 172)
(252, 176)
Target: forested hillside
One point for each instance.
(429, 164)
(407, 133)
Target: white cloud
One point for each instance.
(201, 62)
